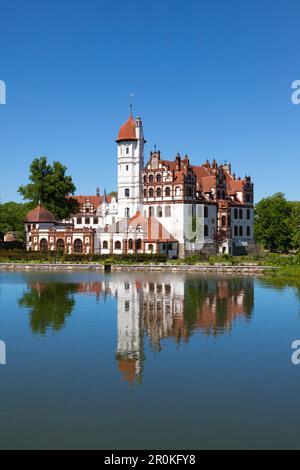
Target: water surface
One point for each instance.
(127, 361)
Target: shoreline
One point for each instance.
(222, 269)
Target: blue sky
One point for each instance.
(211, 79)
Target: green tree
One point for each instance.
(295, 224)
(12, 216)
(50, 185)
(273, 223)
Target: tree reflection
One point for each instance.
(50, 304)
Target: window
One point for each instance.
(87, 221)
(118, 245)
(105, 245)
(158, 192)
(168, 211)
(151, 211)
(241, 231)
(206, 212)
(44, 245)
(177, 191)
(127, 167)
(79, 220)
(127, 305)
(60, 245)
(206, 230)
(96, 220)
(241, 213)
(190, 192)
(236, 231)
(127, 192)
(127, 212)
(151, 192)
(127, 150)
(235, 213)
(248, 214)
(78, 247)
(248, 232)
(145, 179)
(145, 193)
(223, 221)
(151, 248)
(151, 179)
(168, 192)
(29, 228)
(130, 244)
(158, 178)
(159, 212)
(139, 244)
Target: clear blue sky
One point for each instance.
(210, 78)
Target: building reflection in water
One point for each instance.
(167, 308)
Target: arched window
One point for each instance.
(118, 245)
(206, 230)
(158, 178)
(145, 179)
(60, 245)
(127, 192)
(130, 244)
(151, 179)
(223, 221)
(158, 192)
(168, 192)
(78, 247)
(236, 231)
(151, 248)
(159, 212)
(105, 245)
(151, 192)
(43, 245)
(206, 212)
(168, 211)
(139, 244)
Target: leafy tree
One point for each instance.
(50, 186)
(12, 217)
(295, 224)
(273, 223)
(113, 194)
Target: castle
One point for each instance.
(164, 207)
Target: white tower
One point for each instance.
(130, 168)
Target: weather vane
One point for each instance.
(131, 95)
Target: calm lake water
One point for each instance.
(150, 361)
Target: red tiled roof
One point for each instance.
(40, 215)
(96, 201)
(127, 132)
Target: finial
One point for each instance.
(131, 103)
